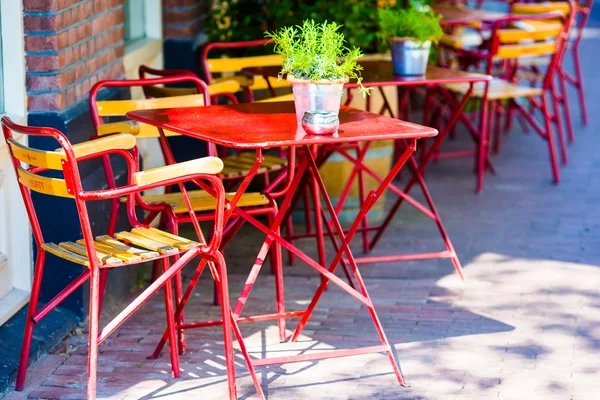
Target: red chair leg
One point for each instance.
(277, 270)
(550, 139)
(558, 121)
(221, 274)
(579, 85)
(93, 332)
(564, 100)
(173, 348)
(35, 293)
(483, 144)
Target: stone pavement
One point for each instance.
(526, 324)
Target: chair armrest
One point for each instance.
(121, 141)
(205, 165)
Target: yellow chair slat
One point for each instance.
(523, 31)
(284, 97)
(205, 165)
(223, 86)
(498, 89)
(157, 236)
(42, 184)
(451, 41)
(103, 258)
(269, 161)
(524, 50)
(115, 108)
(140, 131)
(106, 249)
(541, 8)
(39, 158)
(202, 201)
(123, 141)
(58, 251)
(122, 247)
(261, 83)
(146, 243)
(218, 65)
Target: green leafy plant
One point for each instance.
(317, 52)
(416, 22)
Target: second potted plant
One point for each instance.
(410, 32)
(317, 63)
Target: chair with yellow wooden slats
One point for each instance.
(230, 67)
(172, 207)
(508, 45)
(98, 254)
(530, 69)
(237, 165)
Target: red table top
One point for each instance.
(379, 73)
(266, 125)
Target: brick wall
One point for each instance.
(183, 19)
(69, 46)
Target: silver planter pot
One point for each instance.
(316, 97)
(409, 57)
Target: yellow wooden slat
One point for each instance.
(123, 141)
(53, 248)
(541, 8)
(223, 86)
(139, 130)
(239, 63)
(523, 50)
(519, 35)
(103, 258)
(260, 83)
(284, 97)
(106, 249)
(42, 184)
(122, 247)
(269, 161)
(202, 201)
(114, 108)
(146, 243)
(498, 89)
(180, 243)
(451, 41)
(39, 158)
(206, 165)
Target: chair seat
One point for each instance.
(240, 164)
(202, 201)
(135, 246)
(499, 89)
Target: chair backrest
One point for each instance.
(119, 108)
(211, 66)
(30, 164)
(515, 37)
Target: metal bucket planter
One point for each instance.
(409, 57)
(324, 95)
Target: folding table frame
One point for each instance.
(227, 126)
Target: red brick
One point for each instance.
(45, 63)
(47, 102)
(43, 23)
(41, 43)
(48, 82)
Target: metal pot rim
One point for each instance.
(292, 79)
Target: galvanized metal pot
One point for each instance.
(313, 96)
(409, 57)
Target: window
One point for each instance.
(135, 19)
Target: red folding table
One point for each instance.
(379, 74)
(261, 126)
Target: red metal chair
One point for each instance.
(100, 253)
(508, 46)
(230, 67)
(172, 205)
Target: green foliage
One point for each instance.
(417, 22)
(316, 51)
(237, 20)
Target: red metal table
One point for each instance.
(262, 126)
(461, 14)
(379, 74)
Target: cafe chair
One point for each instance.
(230, 66)
(171, 206)
(508, 46)
(56, 173)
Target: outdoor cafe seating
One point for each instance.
(260, 162)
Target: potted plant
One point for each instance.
(409, 32)
(317, 63)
